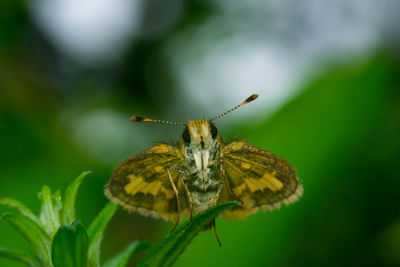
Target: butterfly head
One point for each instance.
(200, 133)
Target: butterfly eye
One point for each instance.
(186, 135)
(214, 130)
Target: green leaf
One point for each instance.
(95, 233)
(68, 210)
(20, 207)
(20, 256)
(169, 249)
(49, 214)
(70, 246)
(123, 257)
(34, 233)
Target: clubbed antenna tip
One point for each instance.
(141, 119)
(248, 100)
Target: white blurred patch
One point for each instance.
(90, 31)
(270, 48)
(103, 134)
(229, 74)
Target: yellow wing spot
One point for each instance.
(254, 184)
(246, 165)
(151, 188)
(264, 184)
(239, 189)
(237, 145)
(267, 181)
(161, 148)
(272, 183)
(132, 177)
(159, 169)
(135, 182)
(137, 185)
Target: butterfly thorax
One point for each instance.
(201, 147)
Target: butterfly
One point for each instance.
(200, 171)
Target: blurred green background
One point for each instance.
(328, 74)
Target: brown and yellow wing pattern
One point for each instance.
(258, 178)
(141, 183)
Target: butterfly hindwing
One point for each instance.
(258, 178)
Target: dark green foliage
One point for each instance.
(20, 256)
(169, 249)
(34, 233)
(96, 230)
(70, 246)
(122, 258)
(57, 244)
(68, 211)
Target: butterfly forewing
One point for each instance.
(258, 178)
(142, 183)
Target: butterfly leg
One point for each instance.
(184, 172)
(177, 200)
(213, 222)
(188, 197)
(218, 194)
(215, 232)
(222, 168)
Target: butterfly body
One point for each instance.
(202, 151)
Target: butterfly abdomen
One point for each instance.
(203, 191)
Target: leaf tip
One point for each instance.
(87, 172)
(2, 216)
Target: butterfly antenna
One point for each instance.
(248, 100)
(141, 119)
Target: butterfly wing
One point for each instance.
(142, 184)
(258, 178)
